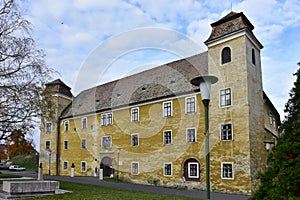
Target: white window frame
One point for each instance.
(164, 137)
(48, 128)
(187, 138)
(138, 114)
(103, 119)
(221, 133)
(232, 170)
(81, 166)
(110, 145)
(171, 107)
(83, 147)
(66, 126)
(108, 123)
(47, 145)
(84, 125)
(220, 99)
(186, 105)
(66, 144)
(138, 142)
(67, 163)
(132, 169)
(164, 167)
(189, 169)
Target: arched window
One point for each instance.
(226, 55)
(253, 57)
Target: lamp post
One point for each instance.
(119, 150)
(205, 83)
(49, 172)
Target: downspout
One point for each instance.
(57, 148)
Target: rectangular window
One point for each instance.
(135, 168)
(190, 106)
(83, 166)
(167, 107)
(135, 140)
(66, 128)
(83, 123)
(134, 114)
(83, 143)
(65, 144)
(109, 119)
(103, 120)
(191, 135)
(168, 169)
(227, 170)
(226, 132)
(193, 171)
(167, 137)
(225, 97)
(47, 144)
(48, 127)
(65, 165)
(106, 142)
(271, 117)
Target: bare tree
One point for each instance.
(23, 72)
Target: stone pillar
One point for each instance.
(101, 174)
(72, 170)
(40, 173)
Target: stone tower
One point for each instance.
(236, 101)
(58, 96)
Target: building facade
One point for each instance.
(148, 128)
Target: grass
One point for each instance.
(82, 191)
(9, 176)
(29, 161)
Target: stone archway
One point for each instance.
(107, 166)
(192, 170)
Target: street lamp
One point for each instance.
(205, 83)
(119, 150)
(49, 172)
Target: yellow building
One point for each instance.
(148, 128)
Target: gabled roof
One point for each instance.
(164, 81)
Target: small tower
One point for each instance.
(57, 97)
(237, 99)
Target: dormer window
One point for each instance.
(226, 55)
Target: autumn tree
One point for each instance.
(23, 72)
(17, 144)
(281, 181)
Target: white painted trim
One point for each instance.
(163, 110)
(49, 144)
(137, 138)
(185, 101)
(86, 122)
(168, 163)
(186, 135)
(221, 132)
(231, 100)
(232, 165)
(66, 121)
(164, 137)
(189, 171)
(47, 122)
(138, 111)
(138, 168)
(110, 146)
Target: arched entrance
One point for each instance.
(107, 166)
(192, 170)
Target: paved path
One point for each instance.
(136, 187)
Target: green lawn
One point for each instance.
(81, 191)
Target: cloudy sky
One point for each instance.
(94, 41)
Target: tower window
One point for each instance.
(226, 55)
(253, 57)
